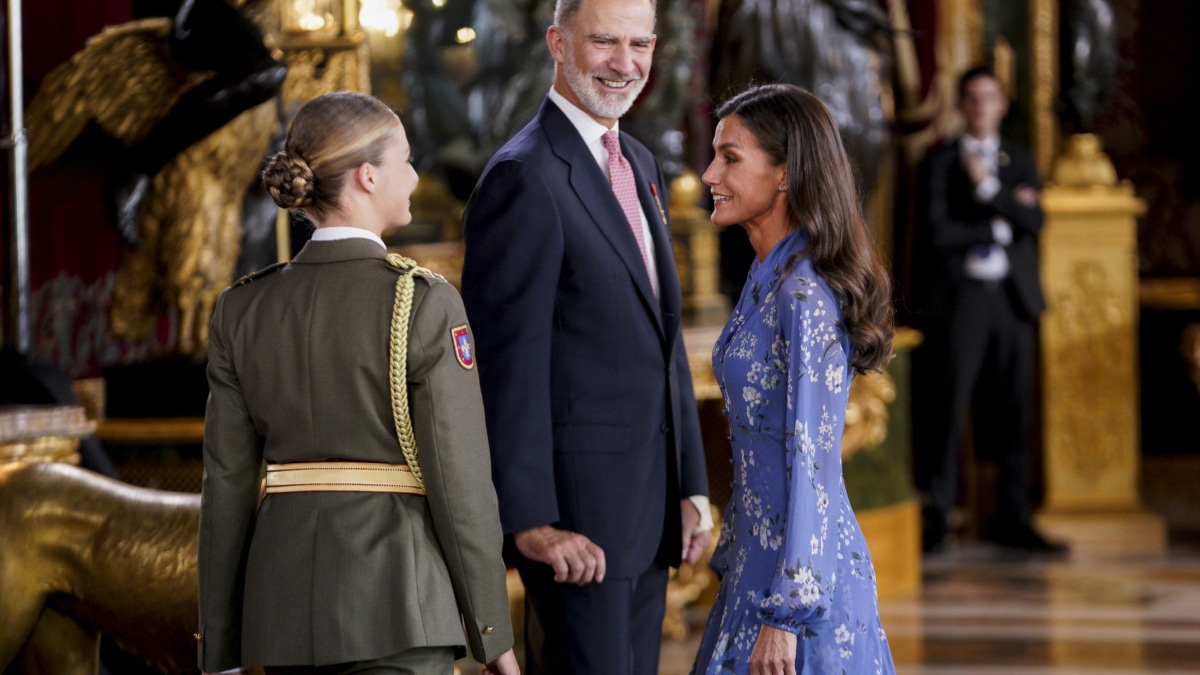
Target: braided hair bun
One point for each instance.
(290, 181)
(328, 137)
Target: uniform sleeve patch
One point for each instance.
(462, 346)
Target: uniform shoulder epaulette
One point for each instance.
(402, 264)
(259, 274)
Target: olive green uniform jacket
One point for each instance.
(298, 371)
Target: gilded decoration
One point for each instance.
(696, 246)
(49, 449)
(688, 583)
(867, 412)
(316, 69)
(85, 555)
(126, 81)
(1083, 164)
(42, 433)
(1044, 33)
(1091, 318)
(189, 224)
(191, 232)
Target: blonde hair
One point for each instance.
(329, 136)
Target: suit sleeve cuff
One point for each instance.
(706, 519)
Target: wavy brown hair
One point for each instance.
(329, 136)
(795, 129)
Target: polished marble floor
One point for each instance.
(982, 611)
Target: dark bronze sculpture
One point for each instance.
(1088, 63)
(836, 49)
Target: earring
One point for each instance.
(783, 188)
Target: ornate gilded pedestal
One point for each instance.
(42, 433)
(1089, 361)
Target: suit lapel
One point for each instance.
(1004, 164)
(596, 195)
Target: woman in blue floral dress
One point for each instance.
(797, 588)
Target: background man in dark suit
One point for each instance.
(978, 296)
(570, 283)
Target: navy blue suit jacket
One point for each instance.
(590, 413)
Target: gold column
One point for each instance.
(1089, 359)
(697, 253)
(1044, 39)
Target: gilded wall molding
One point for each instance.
(1044, 39)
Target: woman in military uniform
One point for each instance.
(351, 373)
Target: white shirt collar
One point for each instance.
(989, 145)
(341, 232)
(588, 127)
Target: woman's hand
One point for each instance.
(774, 652)
(506, 664)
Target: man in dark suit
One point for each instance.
(570, 284)
(977, 296)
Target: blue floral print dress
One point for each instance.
(790, 553)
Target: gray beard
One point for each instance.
(604, 106)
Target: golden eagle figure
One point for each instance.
(133, 80)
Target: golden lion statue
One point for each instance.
(85, 555)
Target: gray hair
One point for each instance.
(565, 11)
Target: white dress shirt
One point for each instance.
(990, 262)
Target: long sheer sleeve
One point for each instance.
(818, 381)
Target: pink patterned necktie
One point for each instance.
(621, 176)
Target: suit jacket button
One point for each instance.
(487, 630)
(665, 428)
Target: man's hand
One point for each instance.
(574, 557)
(505, 664)
(975, 167)
(1025, 195)
(694, 543)
(774, 652)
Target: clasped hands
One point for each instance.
(578, 560)
(977, 171)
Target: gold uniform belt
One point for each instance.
(342, 477)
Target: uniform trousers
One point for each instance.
(980, 359)
(610, 628)
(416, 661)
